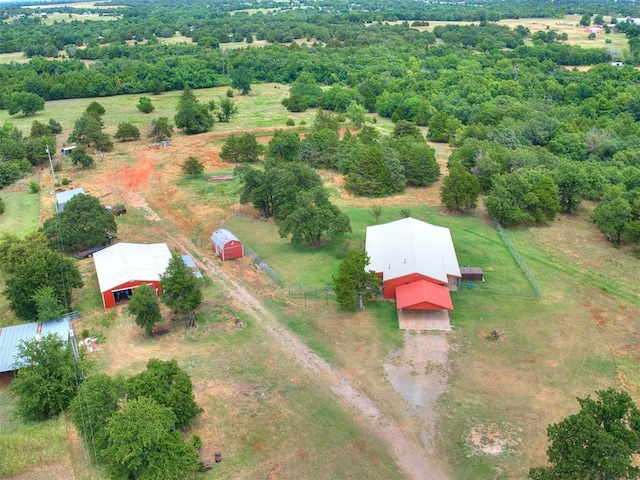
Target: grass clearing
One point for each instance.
(24, 446)
(22, 212)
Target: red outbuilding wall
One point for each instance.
(114, 296)
(231, 250)
(389, 286)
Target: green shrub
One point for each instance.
(34, 186)
(230, 93)
(290, 122)
(66, 181)
(1, 206)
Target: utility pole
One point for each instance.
(53, 173)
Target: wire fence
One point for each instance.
(262, 265)
(311, 291)
(519, 260)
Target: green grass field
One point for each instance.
(22, 212)
(24, 446)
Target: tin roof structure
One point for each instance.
(408, 246)
(12, 337)
(188, 261)
(129, 262)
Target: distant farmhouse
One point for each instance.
(123, 267)
(419, 268)
(63, 197)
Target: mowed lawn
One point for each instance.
(21, 214)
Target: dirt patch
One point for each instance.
(220, 178)
(492, 438)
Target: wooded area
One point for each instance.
(539, 137)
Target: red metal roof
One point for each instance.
(423, 295)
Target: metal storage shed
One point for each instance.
(12, 337)
(226, 244)
(125, 266)
(471, 274)
(63, 197)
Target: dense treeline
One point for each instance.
(529, 130)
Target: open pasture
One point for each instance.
(270, 418)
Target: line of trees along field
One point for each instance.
(537, 137)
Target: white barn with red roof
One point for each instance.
(418, 266)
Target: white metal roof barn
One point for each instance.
(12, 337)
(124, 266)
(418, 266)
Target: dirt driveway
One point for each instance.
(147, 186)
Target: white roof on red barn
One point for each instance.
(222, 236)
(130, 262)
(409, 246)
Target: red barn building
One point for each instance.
(226, 244)
(123, 267)
(418, 266)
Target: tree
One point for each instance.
(283, 145)
(127, 131)
(95, 110)
(598, 442)
(48, 377)
(274, 190)
(585, 21)
(143, 444)
(313, 216)
(192, 166)
(99, 398)
(442, 127)
(192, 116)
(170, 386)
(84, 222)
(418, 159)
(39, 129)
(81, 158)
(48, 304)
(612, 215)
(460, 189)
(14, 250)
(242, 148)
(180, 289)
(41, 268)
(161, 129)
(354, 284)
(87, 131)
(226, 108)
(28, 103)
(144, 305)
(320, 148)
(241, 79)
(145, 105)
(523, 196)
(571, 181)
(375, 174)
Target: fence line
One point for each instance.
(311, 291)
(262, 265)
(519, 260)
